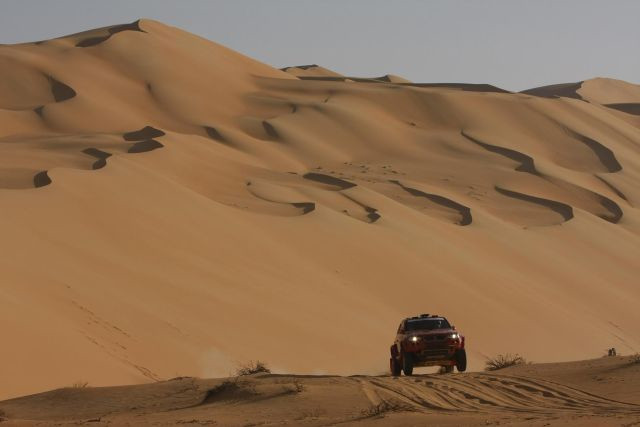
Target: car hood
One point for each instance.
(423, 332)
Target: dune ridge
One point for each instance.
(563, 209)
(465, 212)
(628, 107)
(526, 162)
(567, 90)
(93, 41)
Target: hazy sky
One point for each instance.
(510, 43)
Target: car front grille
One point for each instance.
(435, 353)
(438, 337)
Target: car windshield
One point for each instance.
(436, 323)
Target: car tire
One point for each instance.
(461, 360)
(447, 369)
(407, 364)
(396, 369)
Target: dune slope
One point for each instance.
(521, 395)
(171, 207)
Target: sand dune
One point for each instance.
(567, 90)
(598, 91)
(91, 40)
(463, 211)
(312, 70)
(606, 156)
(608, 91)
(164, 195)
(553, 394)
(316, 71)
(564, 210)
(630, 107)
(526, 162)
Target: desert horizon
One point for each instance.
(173, 208)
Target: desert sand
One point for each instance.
(173, 208)
(599, 392)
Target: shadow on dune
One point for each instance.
(41, 179)
(145, 139)
(372, 213)
(465, 212)
(467, 87)
(606, 156)
(213, 133)
(93, 41)
(144, 146)
(614, 212)
(98, 154)
(146, 132)
(270, 130)
(227, 390)
(302, 67)
(526, 162)
(612, 207)
(237, 391)
(629, 108)
(305, 206)
(567, 90)
(61, 92)
(612, 188)
(329, 180)
(563, 209)
(385, 79)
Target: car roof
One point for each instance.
(424, 317)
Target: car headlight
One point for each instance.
(454, 336)
(414, 339)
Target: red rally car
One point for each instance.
(427, 340)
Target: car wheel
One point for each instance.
(447, 369)
(461, 360)
(407, 364)
(396, 369)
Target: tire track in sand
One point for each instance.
(489, 393)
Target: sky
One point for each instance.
(513, 44)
